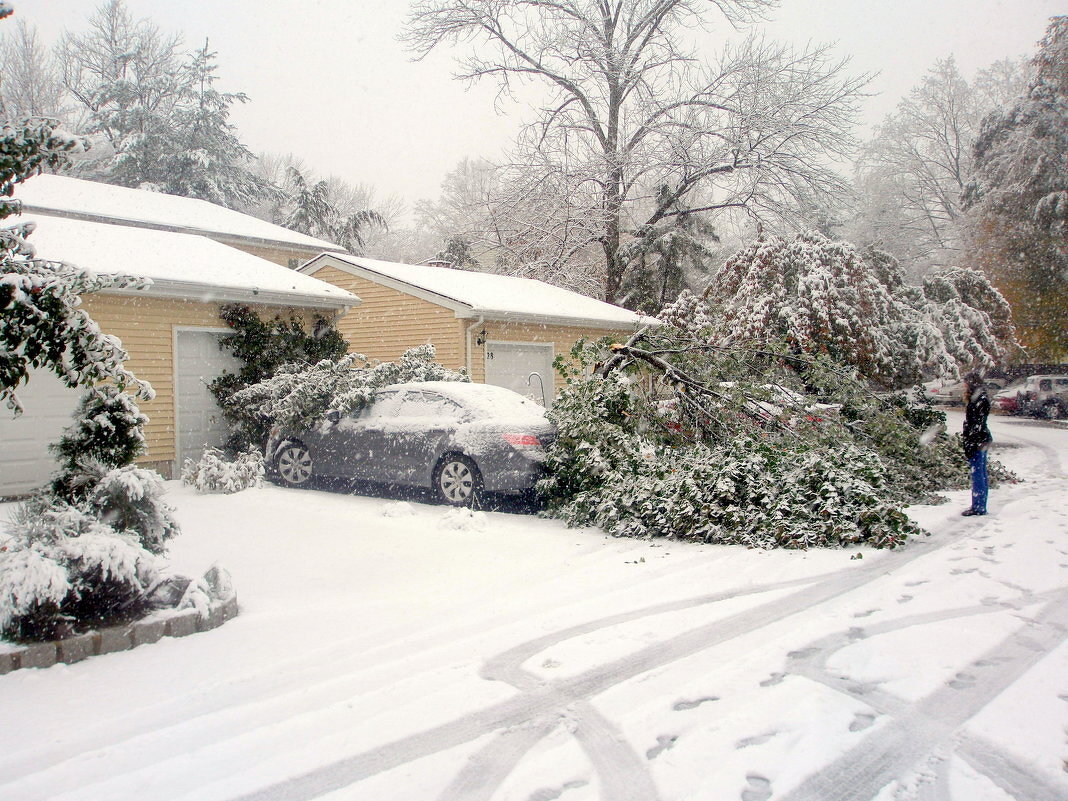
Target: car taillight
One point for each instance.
(522, 440)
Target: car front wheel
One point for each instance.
(457, 480)
(294, 465)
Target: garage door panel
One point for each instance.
(199, 361)
(26, 462)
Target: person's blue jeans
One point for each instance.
(980, 484)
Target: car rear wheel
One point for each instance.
(295, 465)
(457, 480)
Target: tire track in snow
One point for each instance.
(287, 684)
(550, 698)
(919, 729)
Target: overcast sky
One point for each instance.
(329, 82)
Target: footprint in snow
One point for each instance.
(960, 570)
(866, 613)
(758, 789)
(663, 743)
(917, 583)
(682, 706)
(773, 679)
(759, 739)
(962, 681)
(804, 653)
(861, 721)
(904, 599)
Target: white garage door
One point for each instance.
(524, 367)
(25, 462)
(200, 421)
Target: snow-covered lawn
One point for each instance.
(390, 651)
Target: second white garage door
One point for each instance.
(524, 367)
(200, 420)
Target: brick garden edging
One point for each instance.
(117, 638)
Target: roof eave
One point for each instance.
(220, 236)
(189, 290)
(545, 319)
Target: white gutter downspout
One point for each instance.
(470, 349)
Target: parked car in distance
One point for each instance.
(1005, 400)
(1043, 396)
(452, 437)
(952, 394)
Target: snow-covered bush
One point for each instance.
(264, 346)
(756, 491)
(107, 432)
(671, 437)
(130, 500)
(215, 473)
(62, 570)
(298, 396)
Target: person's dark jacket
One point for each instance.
(976, 434)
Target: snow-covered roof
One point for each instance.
(180, 265)
(493, 297)
(61, 195)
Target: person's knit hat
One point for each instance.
(973, 379)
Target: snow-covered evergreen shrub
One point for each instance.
(637, 454)
(107, 432)
(62, 570)
(298, 396)
(96, 473)
(264, 346)
(129, 499)
(747, 492)
(215, 473)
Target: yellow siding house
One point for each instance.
(503, 330)
(198, 256)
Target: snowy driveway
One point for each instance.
(409, 653)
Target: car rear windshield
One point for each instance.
(485, 401)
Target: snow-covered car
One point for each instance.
(1043, 396)
(952, 394)
(452, 437)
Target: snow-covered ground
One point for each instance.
(390, 651)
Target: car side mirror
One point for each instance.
(333, 416)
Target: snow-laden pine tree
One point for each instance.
(309, 207)
(156, 118)
(1017, 200)
(212, 163)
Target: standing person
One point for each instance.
(976, 439)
